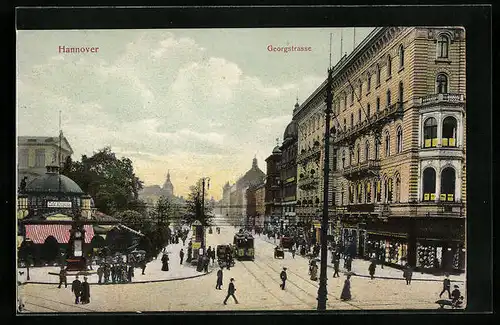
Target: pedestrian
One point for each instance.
(346, 291)
(113, 273)
(408, 273)
(100, 272)
(184, 241)
(63, 278)
(455, 295)
(219, 279)
(143, 265)
(209, 251)
(164, 261)
(371, 269)
(85, 291)
(230, 292)
(293, 252)
(314, 272)
(349, 263)
(446, 286)
(213, 256)
(336, 266)
(130, 273)
(283, 278)
(76, 288)
(106, 273)
(181, 255)
(206, 261)
(190, 255)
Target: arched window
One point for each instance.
(351, 193)
(377, 149)
(343, 158)
(430, 133)
(352, 119)
(389, 65)
(359, 115)
(378, 105)
(429, 184)
(368, 195)
(442, 84)
(387, 144)
(342, 194)
(351, 157)
(360, 88)
(388, 190)
(368, 82)
(449, 132)
(401, 56)
(442, 46)
(400, 92)
(359, 193)
(368, 110)
(345, 100)
(399, 139)
(378, 74)
(388, 97)
(367, 150)
(358, 153)
(398, 189)
(378, 190)
(352, 96)
(345, 125)
(448, 184)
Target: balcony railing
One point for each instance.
(363, 169)
(434, 98)
(420, 209)
(376, 120)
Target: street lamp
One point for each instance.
(203, 180)
(28, 258)
(322, 291)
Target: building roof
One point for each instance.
(277, 150)
(23, 140)
(53, 182)
(38, 233)
(291, 131)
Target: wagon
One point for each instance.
(279, 253)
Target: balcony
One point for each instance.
(307, 155)
(364, 169)
(308, 183)
(440, 98)
(376, 121)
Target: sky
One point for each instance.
(197, 102)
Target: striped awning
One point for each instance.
(39, 233)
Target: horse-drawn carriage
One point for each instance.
(279, 252)
(287, 242)
(225, 255)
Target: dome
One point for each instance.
(291, 131)
(277, 150)
(49, 183)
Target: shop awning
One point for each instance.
(39, 233)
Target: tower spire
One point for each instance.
(341, 44)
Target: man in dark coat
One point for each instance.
(63, 278)
(446, 286)
(206, 261)
(371, 269)
(85, 291)
(143, 265)
(230, 292)
(164, 261)
(212, 256)
(130, 273)
(219, 279)
(76, 288)
(336, 266)
(283, 278)
(100, 273)
(408, 273)
(181, 255)
(455, 295)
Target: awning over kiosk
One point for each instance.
(39, 233)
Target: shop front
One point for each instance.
(389, 248)
(440, 256)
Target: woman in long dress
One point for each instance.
(314, 272)
(346, 291)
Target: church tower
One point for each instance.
(168, 187)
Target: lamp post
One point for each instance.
(203, 180)
(322, 291)
(28, 258)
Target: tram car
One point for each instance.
(243, 246)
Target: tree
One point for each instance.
(131, 219)
(109, 180)
(195, 206)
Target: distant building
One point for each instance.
(288, 172)
(151, 194)
(273, 214)
(256, 208)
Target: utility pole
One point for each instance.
(203, 208)
(322, 291)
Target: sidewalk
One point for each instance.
(153, 272)
(360, 268)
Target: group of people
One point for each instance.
(81, 290)
(116, 272)
(231, 288)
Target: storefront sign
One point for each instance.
(58, 204)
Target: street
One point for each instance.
(257, 288)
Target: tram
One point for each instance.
(243, 246)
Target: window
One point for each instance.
(343, 158)
(387, 144)
(368, 110)
(345, 100)
(430, 133)
(400, 92)
(360, 88)
(389, 65)
(351, 193)
(40, 158)
(442, 83)
(378, 105)
(342, 195)
(358, 153)
(345, 126)
(351, 158)
(378, 74)
(367, 150)
(401, 56)
(442, 50)
(398, 189)
(377, 149)
(378, 190)
(352, 119)
(352, 96)
(448, 184)
(359, 193)
(368, 197)
(388, 190)
(23, 158)
(388, 98)
(429, 184)
(449, 132)
(399, 140)
(359, 115)
(368, 82)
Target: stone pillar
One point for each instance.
(438, 182)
